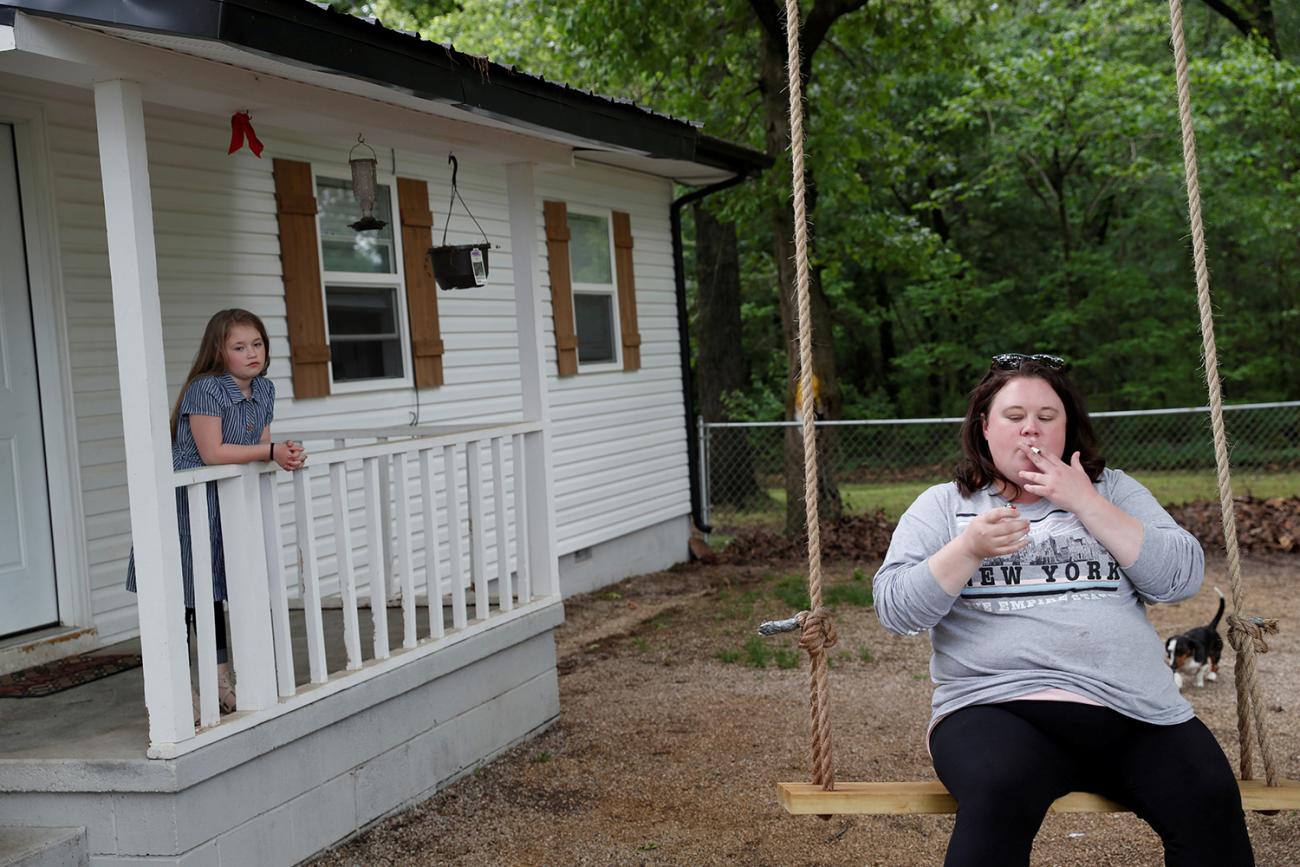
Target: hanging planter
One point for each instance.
(459, 266)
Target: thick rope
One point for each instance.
(1243, 633)
(818, 632)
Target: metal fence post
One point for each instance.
(704, 468)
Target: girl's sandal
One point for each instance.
(226, 688)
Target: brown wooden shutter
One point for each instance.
(557, 254)
(421, 288)
(626, 291)
(295, 210)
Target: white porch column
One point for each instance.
(137, 322)
(522, 201)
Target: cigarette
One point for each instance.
(1036, 450)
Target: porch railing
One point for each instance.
(439, 516)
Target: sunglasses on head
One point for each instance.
(1014, 360)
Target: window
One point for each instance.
(364, 312)
(595, 296)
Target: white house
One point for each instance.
(476, 454)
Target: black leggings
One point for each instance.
(1005, 764)
(219, 622)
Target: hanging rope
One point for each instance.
(1246, 634)
(817, 631)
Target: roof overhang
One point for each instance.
(298, 66)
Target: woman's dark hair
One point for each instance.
(977, 470)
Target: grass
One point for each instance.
(793, 591)
(785, 657)
(1169, 486)
(736, 606)
(756, 652)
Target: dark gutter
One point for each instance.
(684, 343)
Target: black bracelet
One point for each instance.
(272, 457)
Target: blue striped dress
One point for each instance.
(242, 421)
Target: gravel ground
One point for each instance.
(670, 739)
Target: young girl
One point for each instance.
(222, 416)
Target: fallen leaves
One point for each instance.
(1262, 524)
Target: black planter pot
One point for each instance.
(460, 266)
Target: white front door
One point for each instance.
(28, 599)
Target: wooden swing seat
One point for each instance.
(932, 797)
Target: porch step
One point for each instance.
(43, 847)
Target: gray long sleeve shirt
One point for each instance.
(1058, 614)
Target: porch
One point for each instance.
(356, 695)
(296, 783)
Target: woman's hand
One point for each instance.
(289, 455)
(1066, 485)
(995, 533)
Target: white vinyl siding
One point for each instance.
(619, 438)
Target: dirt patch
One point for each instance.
(670, 738)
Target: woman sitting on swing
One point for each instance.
(1031, 570)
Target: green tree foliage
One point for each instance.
(990, 177)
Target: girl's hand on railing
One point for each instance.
(290, 455)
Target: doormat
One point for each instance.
(52, 677)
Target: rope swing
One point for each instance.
(1245, 634)
(817, 632)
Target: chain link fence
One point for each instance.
(886, 463)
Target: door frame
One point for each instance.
(53, 358)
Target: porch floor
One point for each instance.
(105, 720)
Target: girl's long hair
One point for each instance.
(210, 360)
(977, 470)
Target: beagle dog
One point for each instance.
(1197, 651)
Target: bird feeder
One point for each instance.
(364, 185)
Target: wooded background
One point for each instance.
(986, 177)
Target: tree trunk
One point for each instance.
(1254, 17)
(720, 367)
(777, 135)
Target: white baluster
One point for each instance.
(521, 518)
(474, 473)
(273, 541)
(310, 575)
(343, 556)
(432, 581)
(391, 589)
(403, 572)
(375, 552)
(252, 648)
(458, 617)
(204, 623)
(504, 594)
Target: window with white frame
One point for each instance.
(595, 295)
(364, 294)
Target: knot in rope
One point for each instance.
(1253, 629)
(818, 631)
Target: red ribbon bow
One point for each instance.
(241, 128)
